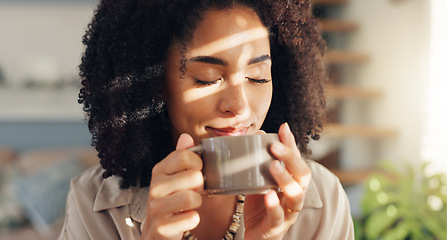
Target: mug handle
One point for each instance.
(197, 149)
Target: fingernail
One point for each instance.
(288, 128)
(260, 132)
(272, 199)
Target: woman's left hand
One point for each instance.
(269, 216)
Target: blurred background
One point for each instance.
(384, 136)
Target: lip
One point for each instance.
(227, 131)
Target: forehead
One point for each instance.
(225, 29)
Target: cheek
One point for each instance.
(198, 101)
(261, 100)
(184, 99)
(193, 107)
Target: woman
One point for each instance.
(158, 76)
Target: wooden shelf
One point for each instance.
(334, 130)
(344, 57)
(329, 2)
(333, 25)
(345, 92)
(351, 177)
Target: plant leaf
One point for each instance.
(433, 226)
(377, 223)
(399, 232)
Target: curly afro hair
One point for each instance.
(123, 66)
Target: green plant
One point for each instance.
(404, 204)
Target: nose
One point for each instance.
(234, 100)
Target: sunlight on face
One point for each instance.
(227, 86)
(233, 41)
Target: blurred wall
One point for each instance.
(42, 37)
(395, 36)
(30, 135)
(41, 40)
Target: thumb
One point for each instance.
(184, 141)
(260, 132)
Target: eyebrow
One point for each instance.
(259, 59)
(208, 59)
(221, 62)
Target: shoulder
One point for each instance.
(93, 201)
(82, 193)
(99, 193)
(326, 183)
(326, 213)
(88, 182)
(92, 174)
(321, 175)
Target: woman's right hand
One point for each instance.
(174, 193)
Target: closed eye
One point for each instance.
(209, 83)
(206, 83)
(261, 81)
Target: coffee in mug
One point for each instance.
(237, 164)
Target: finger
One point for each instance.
(178, 223)
(184, 141)
(286, 136)
(165, 185)
(177, 161)
(175, 203)
(275, 213)
(292, 191)
(287, 151)
(293, 163)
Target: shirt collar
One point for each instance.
(312, 198)
(110, 195)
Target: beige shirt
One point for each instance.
(98, 209)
